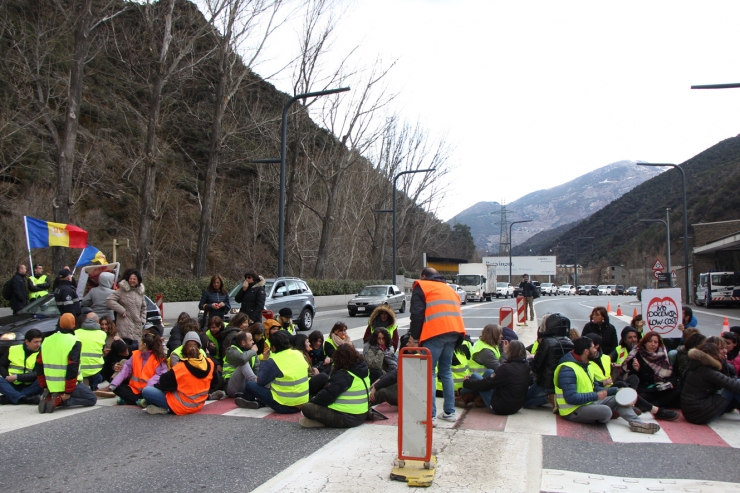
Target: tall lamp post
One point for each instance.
(510, 226)
(393, 276)
(685, 214)
(667, 240)
(283, 152)
(575, 265)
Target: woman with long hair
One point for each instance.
(649, 361)
(486, 356)
(337, 337)
(109, 327)
(215, 300)
(379, 354)
(129, 304)
(343, 402)
(142, 369)
(707, 392)
(599, 324)
(319, 359)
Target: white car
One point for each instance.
(461, 293)
(604, 290)
(504, 289)
(568, 289)
(549, 289)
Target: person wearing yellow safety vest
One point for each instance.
(580, 400)
(38, 283)
(241, 363)
(486, 356)
(18, 382)
(627, 340)
(601, 366)
(343, 402)
(58, 369)
(286, 375)
(460, 370)
(185, 388)
(382, 317)
(91, 357)
(285, 319)
(379, 354)
(337, 336)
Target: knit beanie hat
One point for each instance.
(67, 321)
(191, 336)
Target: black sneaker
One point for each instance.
(666, 414)
(245, 404)
(33, 399)
(46, 402)
(4, 400)
(238, 395)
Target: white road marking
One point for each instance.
(714, 314)
(727, 427)
(619, 430)
(580, 482)
(22, 416)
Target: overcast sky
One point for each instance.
(534, 94)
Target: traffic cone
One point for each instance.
(726, 325)
(634, 313)
(619, 310)
(609, 307)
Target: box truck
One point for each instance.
(478, 280)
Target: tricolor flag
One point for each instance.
(91, 255)
(42, 234)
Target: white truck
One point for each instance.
(478, 281)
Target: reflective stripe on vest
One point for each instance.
(584, 384)
(479, 346)
(36, 281)
(534, 347)
(191, 393)
(55, 357)
(354, 400)
(622, 354)
(91, 355)
(213, 339)
(459, 372)
(596, 371)
(442, 314)
(141, 373)
(292, 388)
(18, 364)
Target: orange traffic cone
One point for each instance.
(726, 325)
(634, 313)
(619, 310)
(609, 307)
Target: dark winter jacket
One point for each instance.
(609, 339)
(700, 398)
(18, 292)
(567, 383)
(375, 322)
(66, 298)
(210, 297)
(418, 308)
(510, 382)
(339, 382)
(252, 300)
(550, 351)
(26, 378)
(528, 289)
(390, 378)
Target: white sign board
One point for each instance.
(661, 309)
(534, 266)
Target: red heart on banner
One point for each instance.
(662, 315)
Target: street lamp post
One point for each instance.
(393, 276)
(283, 152)
(510, 225)
(685, 215)
(667, 240)
(575, 264)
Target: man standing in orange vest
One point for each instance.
(437, 324)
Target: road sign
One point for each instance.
(656, 273)
(674, 275)
(657, 265)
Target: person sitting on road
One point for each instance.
(580, 400)
(144, 369)
(317, 380)
(18, 382)
(239, 321)
(627, 340)
(505, 390)
(177, 333)
(554, 345)
(727, 367)
(108, 326)
(191, 325)
(337, 337)
(58, 370)
(707, 393)
(214, 333)
(241, 363)
(215, 300)
(638, 324)
(93, 344)
(600, 325)
(382, 317)
(532, 349)
(733, 353)
(682, 353)
(343, 402)
(285, 319)
(113, 363)
(272, 327)
(319, 359)
(185, 388)
(379, 355)
(258, 336)
(601, 367)
(486, 354)
(286, 375)
(648, 360)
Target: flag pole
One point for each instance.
(78, 260)
(28, 244)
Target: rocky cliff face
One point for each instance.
(556, 206)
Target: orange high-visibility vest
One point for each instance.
(140, 373)
(191, 393)
(442, 314)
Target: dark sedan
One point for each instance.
(43, 314)
(588, 290)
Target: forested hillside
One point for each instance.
(169, 120)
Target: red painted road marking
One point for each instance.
(588, 433)
(681, 431)
(480, 418)
(219, 407)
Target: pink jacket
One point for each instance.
(126, 372)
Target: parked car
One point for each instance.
(612, 289)
(43, 314)
(504, 289)
(461, 293)
(631, 291)
(282, 292)
(620, 289)
(371, 297)
(549, 288)
(568, 289)
(604, 290)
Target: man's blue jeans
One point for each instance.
(486, 395)
(155, 396)
(254, 392)
(536, 396)
(442, 348)
(14, 393)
